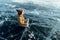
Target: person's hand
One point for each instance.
(25, 21)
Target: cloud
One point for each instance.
(20, 1)
(10, 5)
(5, 1)
(55, 3)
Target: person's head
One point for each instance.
(20, 12)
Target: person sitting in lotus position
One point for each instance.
(21, 18)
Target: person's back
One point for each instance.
(21, 17)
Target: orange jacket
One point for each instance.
(21, 19)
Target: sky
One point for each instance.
(55, 3)
(5, 0)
